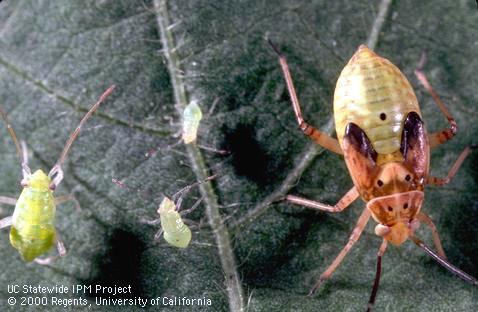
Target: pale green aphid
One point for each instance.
(192, 116)
(33, 222)
(175, 232)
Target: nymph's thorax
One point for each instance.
(392, 178)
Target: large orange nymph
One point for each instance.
(386, 147)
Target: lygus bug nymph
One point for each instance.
(387, 152)
(33, 221)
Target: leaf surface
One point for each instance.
(56, 58)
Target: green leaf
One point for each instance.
(56, 59)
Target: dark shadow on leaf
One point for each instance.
(248, 157)
(120, 265)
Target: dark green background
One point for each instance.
(57, 57)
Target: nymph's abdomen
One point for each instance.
(33, 232)
(374, 94)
